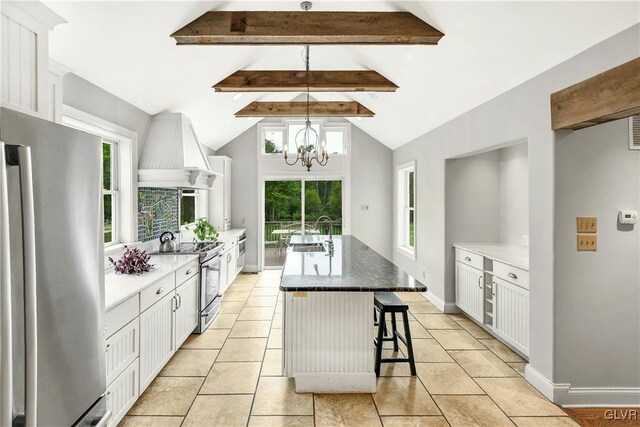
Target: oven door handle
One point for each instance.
(244, 239)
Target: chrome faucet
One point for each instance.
(330, 227)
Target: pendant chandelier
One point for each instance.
(309, 146)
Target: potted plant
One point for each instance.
(204, 231)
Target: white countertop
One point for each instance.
(517, 256)
(119, 287)
(230, 234)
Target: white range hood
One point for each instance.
(172, 157)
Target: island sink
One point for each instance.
(308, 247)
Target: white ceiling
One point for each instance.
(488, 48)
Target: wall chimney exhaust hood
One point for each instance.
(172, 157)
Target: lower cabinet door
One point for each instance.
(188, 310)
(156, 338)
(470, 291)
(512, 314)
(122, 393)
(224, 275)
(122, 349)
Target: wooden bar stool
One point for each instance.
(388, 302)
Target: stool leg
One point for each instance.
(382, 321)
(407, 334)
(394, 332)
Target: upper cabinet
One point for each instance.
(220, 200)
(24, 64)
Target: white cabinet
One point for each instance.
(123, 393)
(220, 196)
(186, 313)
(470, 290)
(494, 294)
(511, 314)
(156, 338)
(228, 264)
(122, 349)
(24, 67)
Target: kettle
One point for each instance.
(168, 242)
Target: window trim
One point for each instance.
(127, 158)
(114, 191)
(197, 196)
(403, 209)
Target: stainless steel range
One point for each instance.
(209, 299)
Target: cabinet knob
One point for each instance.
(188, 272)
(512, 275)
(159, 291)
(467, 259)
(108, 347)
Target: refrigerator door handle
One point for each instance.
(104, 420)
(29, 247)
(6, 358)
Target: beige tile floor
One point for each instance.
(232, 376)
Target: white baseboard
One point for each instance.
(250, 269)
(448, 307)
(576, 397)
(541, 383)
(336, 382)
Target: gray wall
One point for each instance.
(472, 205)
(597, 305)
(370, 185)
(371, 181)
(244, 187)
(85, 96)
(520, 114)
(514, 194)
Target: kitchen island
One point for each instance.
(328, 312)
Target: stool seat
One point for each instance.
(389, 300)
(389, 303)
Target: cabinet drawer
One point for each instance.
(515, 275)
(123, 393)
(157, 291)
(469, 258)
(120, 315)
(186, 272)
(122, 348)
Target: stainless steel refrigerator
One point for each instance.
(51, 275)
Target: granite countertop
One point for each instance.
(354, 267)
(119, 287)
(517, 256)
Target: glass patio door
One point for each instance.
(292, 208)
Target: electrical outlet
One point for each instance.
(525, 240)
(587, 224)
(587, 242)
(424, 274)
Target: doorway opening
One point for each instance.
(292, 207)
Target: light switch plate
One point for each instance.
(587, 242)
(587, 224)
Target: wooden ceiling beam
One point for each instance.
(296, 81)
(307, 28)
(299, 109)
(611, 95)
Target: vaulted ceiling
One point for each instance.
(489, 47)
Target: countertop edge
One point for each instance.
(465, 246)
(187, 259)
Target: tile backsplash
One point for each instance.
(157, 212)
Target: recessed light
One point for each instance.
(374, 96)
(359, 119)
(237, 96)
